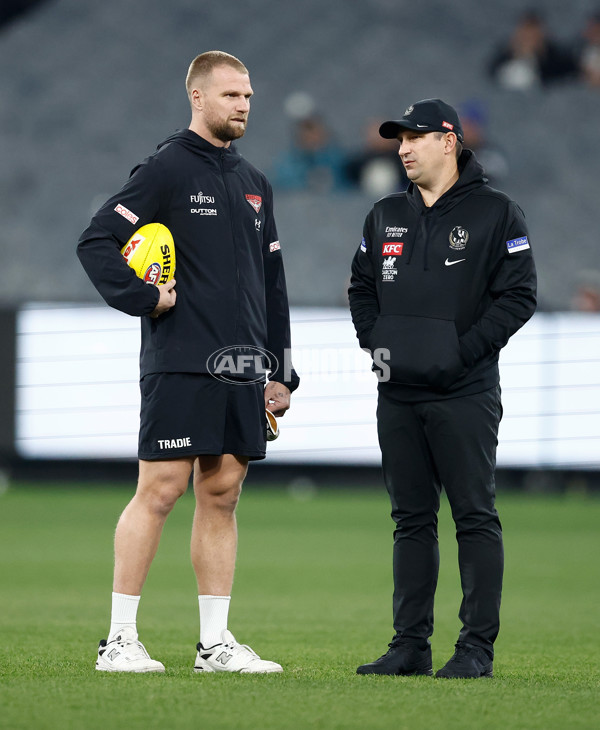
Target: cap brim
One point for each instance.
(391, 130)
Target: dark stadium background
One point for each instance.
(89, 89)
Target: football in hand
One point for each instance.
(151, 253)
(272, 427)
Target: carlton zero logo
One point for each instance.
(392, 248)
(389, 270)
(241, 364)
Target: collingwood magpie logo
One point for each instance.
(458, 238)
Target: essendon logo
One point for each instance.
(392, 248)
(255, 201)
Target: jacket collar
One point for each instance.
(200, 146)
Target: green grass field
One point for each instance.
(313, 591)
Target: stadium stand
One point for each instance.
(90, 88)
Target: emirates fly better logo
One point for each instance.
(241, 364)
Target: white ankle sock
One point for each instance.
(214, 611)
(124, 612)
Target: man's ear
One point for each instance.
(451, 140)
(196, 99)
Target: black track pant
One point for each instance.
(427, 445)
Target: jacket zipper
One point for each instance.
(235, 252)
(421, 237)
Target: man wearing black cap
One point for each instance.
(443, 277)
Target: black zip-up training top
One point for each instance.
(442, 288)
(230, 279)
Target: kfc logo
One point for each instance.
(393, 248)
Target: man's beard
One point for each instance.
(225, 131)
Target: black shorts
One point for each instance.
(188, 414)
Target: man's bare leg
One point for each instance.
(138, 532)
(217, 486)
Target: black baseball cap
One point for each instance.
(429, 115)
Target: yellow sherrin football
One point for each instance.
(151, 253)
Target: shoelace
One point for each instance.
(395, 643)
(232, 645)
(460, 650)
(139, 649)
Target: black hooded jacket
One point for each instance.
(230, 280)
(442, 288)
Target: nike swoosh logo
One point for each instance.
(423, 126)
(451, 263)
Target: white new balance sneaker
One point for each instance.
(229, 656)
(125, 653)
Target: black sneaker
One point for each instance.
(467, 662)
(403, 657)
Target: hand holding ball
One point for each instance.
(150, 252)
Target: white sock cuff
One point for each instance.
(124, 611)
(214, 612)
(122, 602)
(126, 596)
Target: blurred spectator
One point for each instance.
(531, 58)
(473, 115)
(377, 169)
(589, 54)
(313, 162)
(587, 293)
(11, 9)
